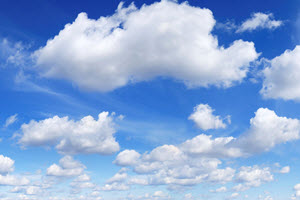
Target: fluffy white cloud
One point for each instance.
(198, 160)
(118, 177)
(205, 145)
(267, 130)
(127, 157)
(204, 118)
(6, 164)
(83, 178)
(260, 20)
(297, 190)
(281, 77)
(68, 167)
(13, 180)
(85, 136)
(164, 39)
(254, 176)
(10, 120)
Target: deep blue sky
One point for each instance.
(156, 111)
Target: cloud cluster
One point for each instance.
(67, 167)
(198, 160)
(252, 177)
(85, 136)
(259, 21)
(205, 119)
(6, 167)
(281, 77)
(164, 39)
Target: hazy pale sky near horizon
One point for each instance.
(143, 100)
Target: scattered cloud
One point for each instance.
(6, 179)
(199, 160)
(6, 164)
(279, 85)
(10, 120)
(259, 21)
(67, 167)
(297, 190)
(204, 118)
(285, 170)
(86, 136)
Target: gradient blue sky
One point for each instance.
(149, 111)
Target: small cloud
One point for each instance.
(10, 120)
(259, 21)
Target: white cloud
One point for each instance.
(220, 189)
(33, 190)
(204, 118)
(252, 177)
(127, 157)
(157, 195)
(234, 195)
(259, 21)
(205, 145)
(281, 77)
(6, 165)
(15, 54)
(285, 170)
(197, 160)
(267, 130)
(10, 120)
(68, 167)
(13, 180)
(85, 136)
(115, 186)
(164, 39)
(297, 190)
(118, 177)
(83, 178)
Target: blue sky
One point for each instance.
(149, 100)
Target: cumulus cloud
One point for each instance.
(164, 39)
(6, 165)
(254, 176)
(118, 177)
(282, 75)
(10, 120)
(267, 130)
(259, 21)
(13, 180)
(68, 167)
(127, 157)
(205, 119)
(205, 145)
(86, 136)
(297, 190)
(199, 160)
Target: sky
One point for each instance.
(149, 100)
